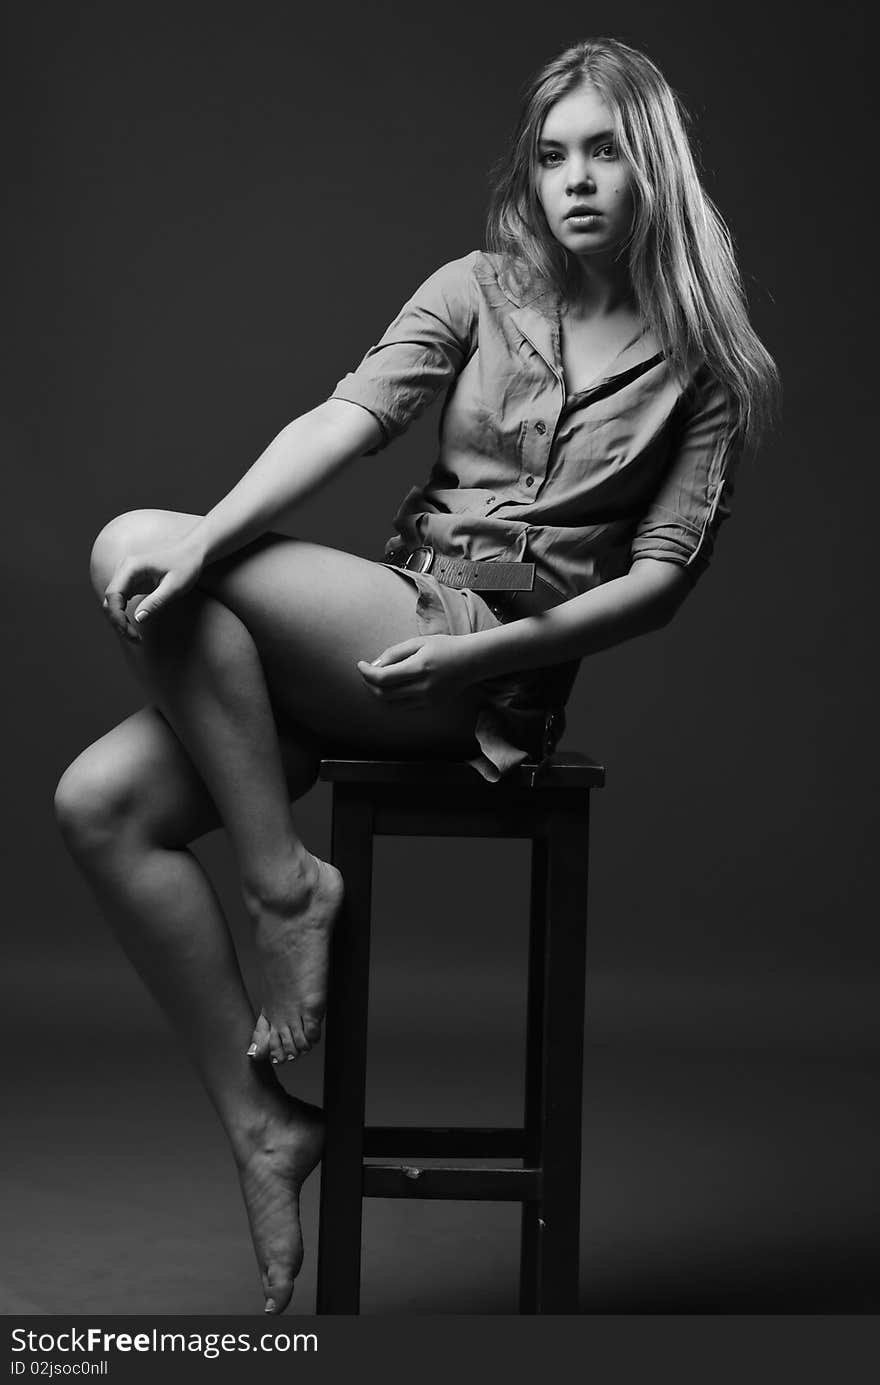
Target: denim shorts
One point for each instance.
(522, 715)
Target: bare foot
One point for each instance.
(293, 943)
(272, 1167)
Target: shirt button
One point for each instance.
(540, 427)
(530, 480)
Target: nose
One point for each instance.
(580, 178)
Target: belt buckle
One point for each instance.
(422, 548)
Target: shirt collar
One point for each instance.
(536, 316)
(517, 282)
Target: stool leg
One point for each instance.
(531, 1211)
(345, 1059)
(558, 1230)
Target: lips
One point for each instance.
(582, 211)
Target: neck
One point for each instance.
(602, 287)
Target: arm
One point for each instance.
(645, 599)
(671, 548)
(419, 354)
(419, 670)
(300, 460)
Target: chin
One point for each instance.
(587, 244)
(567, 232)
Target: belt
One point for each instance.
(512, 589)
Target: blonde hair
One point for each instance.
(681, 256)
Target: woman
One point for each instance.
(602, 382)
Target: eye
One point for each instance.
(607, 151)
(549, 157)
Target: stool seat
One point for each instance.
(547, 804)
(570, 770)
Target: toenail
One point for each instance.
(291, 1057)
(270, 1302)
(252, 1050)
(275, 1061)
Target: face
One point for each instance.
(583, 185)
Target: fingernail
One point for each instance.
(252, 1050)
(270, 1306)
(142, 615)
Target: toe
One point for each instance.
(287, 1041)
(299, 1037)
(276, 1048)
(278, 1291)
(259, 1046)
(311, 1029)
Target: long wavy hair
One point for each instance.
(682, 263)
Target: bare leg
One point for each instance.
(275, 632)
(272, 640)
(202, 667)
(126, 806)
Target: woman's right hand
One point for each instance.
(163, 572)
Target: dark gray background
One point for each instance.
(212, 213)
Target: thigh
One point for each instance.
(313, 612)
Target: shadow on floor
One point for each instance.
(726, 1169)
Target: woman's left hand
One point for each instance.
(421, 671)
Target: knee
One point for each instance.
(120, 536)
(136, 529)
(93, 803)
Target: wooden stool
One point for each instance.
(551, 808)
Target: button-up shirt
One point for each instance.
(640, 464)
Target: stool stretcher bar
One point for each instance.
(489, 1185)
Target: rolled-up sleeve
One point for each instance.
(682, 521)
(421, 353)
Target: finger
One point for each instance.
(114, 604)
(371, 673)
(393, 676)
(130, 576)
(409, 693)
(156, 600)
(122, 625)
(395, 652)
(412, 691)
(371, 676)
